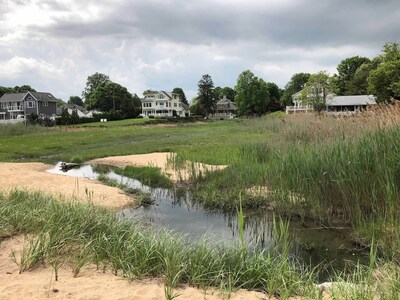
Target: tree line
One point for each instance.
(253, 96)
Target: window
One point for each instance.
(3, 105)
(45, 103)
(30, 104)
(175, 105)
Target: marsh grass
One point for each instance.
(150, 176)
(82, 233)
(141, 198)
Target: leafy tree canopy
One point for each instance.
(296, 84)
(206, 94)
(384, 81)
(146, 92)
(92, 82)
(181, 93)
(347, 69)
(252, 96)
(318, 86)
(274, 91)
(17, 89)
(112, 97)
(75, 100)
(225, 91)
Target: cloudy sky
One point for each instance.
(53, 45)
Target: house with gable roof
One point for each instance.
(334, 104)
(19, 105)
(164, 104)
(225, 109)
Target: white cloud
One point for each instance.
(17, 66)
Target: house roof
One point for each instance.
(225, 100)
(40, 96)
(351, 100)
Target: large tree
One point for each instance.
(296, 84)
(75, 100)
(384, 81)
(206, 94)
(347, 69)
(112, 97)
(225, 91)
(181, 93)
(92, 82)
(252, 97)
(317, 89)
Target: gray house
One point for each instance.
(18, 106)
(225, 109)
(348, 104)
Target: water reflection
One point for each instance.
(176, 210)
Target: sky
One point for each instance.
(54, 45)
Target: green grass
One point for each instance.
(109, 124)
(150, 176)
(141, 198)
(79, 234)
(333, 169)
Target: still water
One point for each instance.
(175, 210)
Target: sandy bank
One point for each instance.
(33, 176)
(89, 284)
(159, 160)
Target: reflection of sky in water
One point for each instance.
(176, 211)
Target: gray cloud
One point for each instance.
(166, 43)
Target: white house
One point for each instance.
(164, 104)
(333, 104)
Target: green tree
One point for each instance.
(75, 100)
(74, 118)
(181, 93)
(65, 116)
(195, 108)
(347, 69)
(252, 97)
(274, 91)
(206, 94)
(23, 89)
(296, 84)
(384, 81)
(146, 92)
(92, 82)
(359, 84)
(136, 106)
(5, 90)
(112, 97)
(225, 91)
(317, 89)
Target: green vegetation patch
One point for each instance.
(79, 234)
(151, 176)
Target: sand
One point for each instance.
(159, 160)
(33, 176)
(89, 284)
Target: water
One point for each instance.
(175, 210)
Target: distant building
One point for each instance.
(15, 107)
(82, 112)
(346, 104)
(226, 109)
(164, 104)
(333, 104)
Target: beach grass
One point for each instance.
(78, 234)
